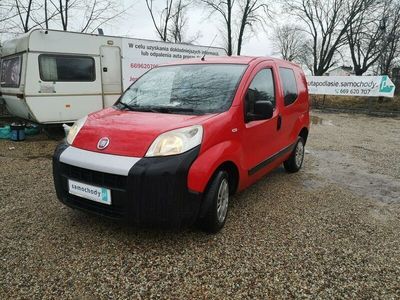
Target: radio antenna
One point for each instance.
(204, 56)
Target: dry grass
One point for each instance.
(362, 103)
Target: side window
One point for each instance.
(10, 71)
(261, 89)
(66, 68)
(289, 85)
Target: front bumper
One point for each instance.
(153, 192)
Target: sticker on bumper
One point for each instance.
(90, 192)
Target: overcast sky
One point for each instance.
(137, 23)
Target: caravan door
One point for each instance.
(111, 74)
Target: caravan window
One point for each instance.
(66, 68)
(10, 71)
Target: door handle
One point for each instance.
(279, 122)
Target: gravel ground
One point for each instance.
(329, 231)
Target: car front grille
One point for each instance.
(106, 180)
(116, 183)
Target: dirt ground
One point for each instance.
(330, 231)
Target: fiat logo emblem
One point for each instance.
(103, 143)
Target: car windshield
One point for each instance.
(198, 89)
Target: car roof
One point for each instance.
(246, 60)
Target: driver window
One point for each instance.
(260, 89)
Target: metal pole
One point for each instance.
(370, 105)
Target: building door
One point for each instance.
(111, 74)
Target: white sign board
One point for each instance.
(138, 56)
(374, 86)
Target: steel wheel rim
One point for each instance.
(299, 154)
(222, 200)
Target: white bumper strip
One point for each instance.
(106, 163)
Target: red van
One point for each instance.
(183, 138)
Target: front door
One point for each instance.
(111, 75)
(261, 140)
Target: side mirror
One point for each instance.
(263, 110)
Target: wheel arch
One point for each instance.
(233, 175)
(304, 134)
(223, 155)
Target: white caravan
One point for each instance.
(58, 77)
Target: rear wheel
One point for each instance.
(295, 161)
(218, 196)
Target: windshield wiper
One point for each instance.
(138, 108)
(158, 109)
(126, 106)
(168, 109)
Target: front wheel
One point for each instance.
(295, 161)
(218, 197)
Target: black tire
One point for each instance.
(211, 222)
(293, 164)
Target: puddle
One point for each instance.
(382, 214)
(312, 184)
(353, 174)
(320, 121)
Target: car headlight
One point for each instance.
(74, 130)
(176, 141)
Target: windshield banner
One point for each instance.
(374, 86)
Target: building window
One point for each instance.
(11, 71)
(66, 68)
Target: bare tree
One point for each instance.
(7, 10)
(15, 16)
(100, 12)
(289, 42)
(63, 7)
(326, 23)
(86, 15)
(21, 15)
(178, 22)
(80, 15)
(46, 20)
(165, 16)
(172, 20)
(306, 57)
(7, 13)
(177, 28)
(365, 36)
(252, 12)
(225, 9)
(249, 13)
(24, 13)
(391, 51)
(41, 14)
